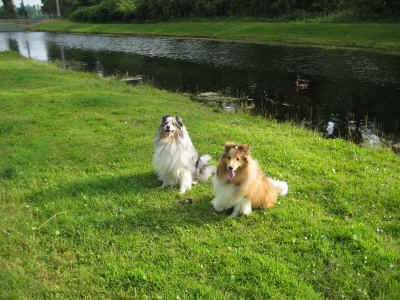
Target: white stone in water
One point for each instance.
(330, 128)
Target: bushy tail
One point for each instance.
(203, 168)
(281, 186)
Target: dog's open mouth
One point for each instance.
(231, 174)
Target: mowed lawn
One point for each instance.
(373, 36)
(81, 215)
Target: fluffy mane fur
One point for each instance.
(175, 159)
(241, 184)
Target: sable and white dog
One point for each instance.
(175, 159)
(241, 184)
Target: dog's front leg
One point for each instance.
(246, 208)
(186, 182)
(216, 203)
(164, 185)
(167, 181)
(236, 210)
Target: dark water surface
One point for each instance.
(346, 93)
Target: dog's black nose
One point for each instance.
(230, 168)
(167, 128)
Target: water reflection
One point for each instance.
(342, 93)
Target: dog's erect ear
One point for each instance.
(179, 120)
(244, 148)
(229, 146)
(164, 118)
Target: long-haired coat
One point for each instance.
(175, 159)
(241, 184)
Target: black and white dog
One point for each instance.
(175, 159)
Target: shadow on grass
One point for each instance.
(127, 203)
(176, 217)
(106, 185)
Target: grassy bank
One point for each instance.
(12, 27)
(370, 35)
(81, 215)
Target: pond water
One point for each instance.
(347, 93)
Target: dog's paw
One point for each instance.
(165, 185)
(216, 206)
(236, 211)
(246, 209)
(233, 215)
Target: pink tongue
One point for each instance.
(231, 174)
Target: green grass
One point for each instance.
(365, 35)
(81, 215)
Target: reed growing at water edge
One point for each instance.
(81, 215)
